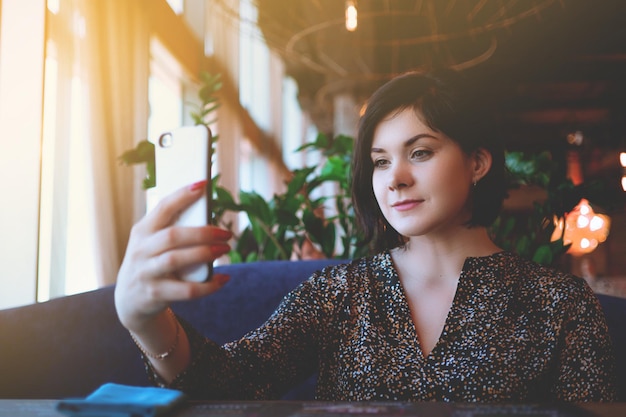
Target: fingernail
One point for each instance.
(220, 249)
(222, 234)
(197, 185)
(221, 278)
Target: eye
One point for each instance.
(420, 154)
(380, 163)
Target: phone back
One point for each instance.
(183, 157)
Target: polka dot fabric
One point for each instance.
(516, 332)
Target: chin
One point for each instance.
(431, 229)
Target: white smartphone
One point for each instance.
(183, 157)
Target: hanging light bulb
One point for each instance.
(351, 15)
(582, 228)
(622, 161)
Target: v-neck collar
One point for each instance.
(477, 285)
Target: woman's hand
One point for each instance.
(157, 250)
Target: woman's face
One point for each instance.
(421, 178)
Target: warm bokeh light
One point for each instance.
(351, 16)
(584, 229)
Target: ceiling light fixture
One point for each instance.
(351, 16)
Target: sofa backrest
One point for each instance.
(65, 347)
(615, 312)
(248, 299)
(69, 346)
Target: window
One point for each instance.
(21, 91)
(50, 245)
(165, 96)
(165, 90)
(271, 99)
(67, 244)
(255, 89)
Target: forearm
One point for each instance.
(164, 342)
(212, 373)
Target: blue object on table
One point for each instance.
(116, 400)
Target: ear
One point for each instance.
(481, 160)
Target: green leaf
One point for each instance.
(543, 255)
(328, 240)
(210, 109)
(272, 251)
(509, 225)
(543, 179)
(235, 257)
(314, 226)
(252, 257)
(522, 246)
(224, 199)
(343, 145)
(287, 218)
(255, 206)
(320, 143)
(335, 169)
(258, 231)
(288, 204)
(296, 184)
(142, 153)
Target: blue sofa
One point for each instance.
(69, 346)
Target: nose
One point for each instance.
(400, 177)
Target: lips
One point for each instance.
(405, 205)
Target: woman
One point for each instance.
(438, 312)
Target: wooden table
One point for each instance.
(46, 408)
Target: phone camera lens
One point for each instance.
(165, 140)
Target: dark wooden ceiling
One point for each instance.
(564, 73)
(553, 72)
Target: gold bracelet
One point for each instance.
(160, 356)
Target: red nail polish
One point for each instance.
(221, 249)
(221, 279)
(222, 234)
(197, 185)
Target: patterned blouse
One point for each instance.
(516, 332)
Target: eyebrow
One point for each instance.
(410, 141)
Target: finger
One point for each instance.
(174, 290)
(172, 262)
(169, 208)
(173, 238)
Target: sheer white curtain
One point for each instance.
(115, 67)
